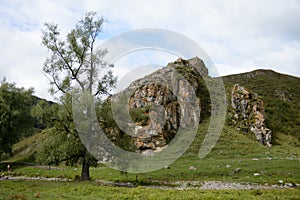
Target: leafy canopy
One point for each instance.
(15, 119)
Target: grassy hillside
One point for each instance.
(281, 96)
(234, 150)
(24, 150)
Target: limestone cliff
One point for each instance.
(248, 113)
(163, 101)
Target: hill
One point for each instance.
(271, 109)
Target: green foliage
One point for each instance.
(140, 115)
(62, 143)
(59, 147)
(111, 129)
(45, 113)
(104, 113)
(50, 152)
(15, 119)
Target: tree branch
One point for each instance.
(73, 73)
(55, 83)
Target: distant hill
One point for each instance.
(37, 123)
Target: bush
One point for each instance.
(140, 115)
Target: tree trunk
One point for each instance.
(85, 173)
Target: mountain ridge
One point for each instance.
(260, 72)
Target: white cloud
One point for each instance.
(239, 36)
(140, 63)
(283, 60)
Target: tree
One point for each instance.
(75, 60)
(15, 118)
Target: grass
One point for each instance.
(233, 150)
(90, 190)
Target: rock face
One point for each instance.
(162, 102)
(162, 120)
(248, 113)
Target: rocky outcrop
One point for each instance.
(248, 114)
(162, 102)
(162, 116)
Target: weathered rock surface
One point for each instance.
(248, 114)
(162, 102)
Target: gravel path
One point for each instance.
(218, 185)
(178, 185)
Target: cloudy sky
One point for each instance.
(238, 36)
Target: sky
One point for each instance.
(238, 36)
